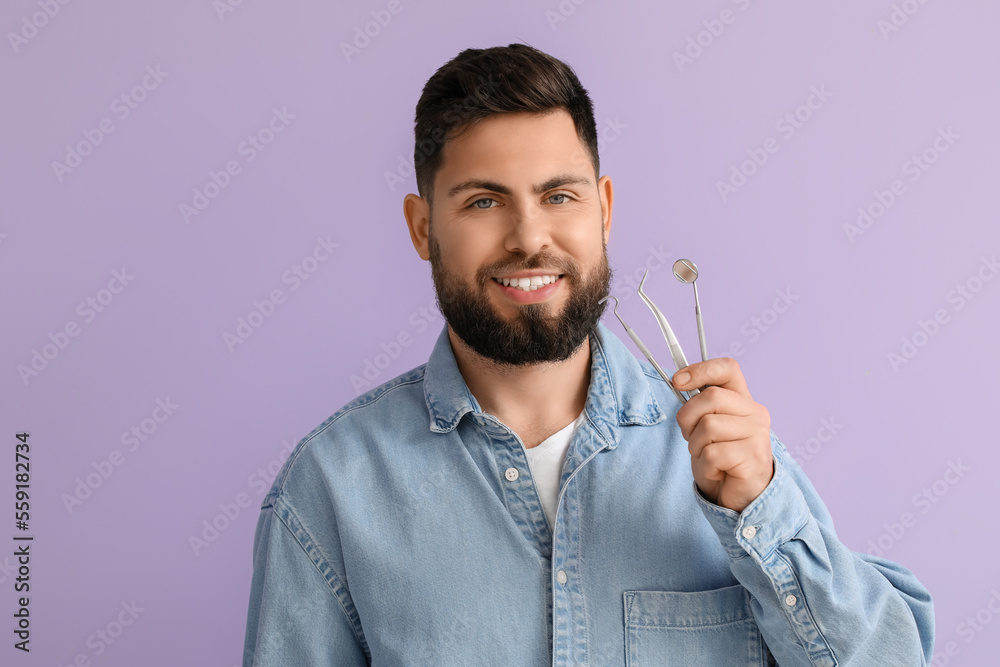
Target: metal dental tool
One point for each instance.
(676, 353)
(645, 351)
(687, 272)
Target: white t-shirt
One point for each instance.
(546, 461)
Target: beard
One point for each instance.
(534, 335)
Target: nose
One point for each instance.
(528, 231)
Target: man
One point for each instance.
(534, 494)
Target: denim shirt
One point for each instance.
(406, 530)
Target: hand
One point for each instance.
(728, 434)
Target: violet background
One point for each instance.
(680, 130)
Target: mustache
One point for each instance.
(566, 268)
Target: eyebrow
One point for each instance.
(493, 186)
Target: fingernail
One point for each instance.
(682, 377)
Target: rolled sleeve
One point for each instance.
(772, 518)
(815, 601)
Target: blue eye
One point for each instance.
(476, 203)
(565, 197)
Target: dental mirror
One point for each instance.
(687, 272)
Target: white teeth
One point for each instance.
(528, 284)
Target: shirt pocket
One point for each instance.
(693, 629)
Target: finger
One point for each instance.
(714, 400)
(714, 429)
(722, 460)
(721, 372)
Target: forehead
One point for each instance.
(515, 148)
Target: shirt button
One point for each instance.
(749, 532)
(561, 577)
(511, 474)
(790, 600)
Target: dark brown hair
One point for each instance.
(479, 83)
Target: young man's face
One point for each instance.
(516, 198)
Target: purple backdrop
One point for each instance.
(202, 204)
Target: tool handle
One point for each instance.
(649, 357)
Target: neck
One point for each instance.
(534, 400)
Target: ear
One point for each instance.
(417, 214)
(606, 192)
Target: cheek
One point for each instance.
(462, 259)
(584, 246)
(472, 249)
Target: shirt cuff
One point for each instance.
(771, 519)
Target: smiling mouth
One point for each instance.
(529, 284)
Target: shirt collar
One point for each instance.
(619, 393)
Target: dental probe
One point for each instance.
(676, 353)
(645, 351)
